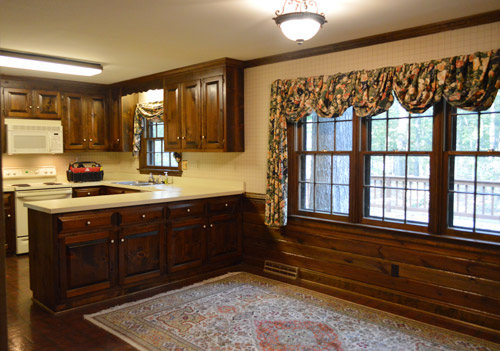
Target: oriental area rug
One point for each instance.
(241, 311)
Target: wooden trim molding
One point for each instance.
(463, 22)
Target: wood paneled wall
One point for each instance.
(443, 281)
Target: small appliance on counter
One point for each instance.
(84, 171)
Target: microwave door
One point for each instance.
(28, 142)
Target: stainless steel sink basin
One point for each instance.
(133, 182)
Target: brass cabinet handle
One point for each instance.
(31, 106)
(90, 139)
(143, 216)
(188, 210)
(122, 240)
(183, 138)
(38, 107)
(8, 215)
(178, 138)
(203, 137)
(117, 140)
(88, 194)
(204, 226)
(84, 139)
(211, 225)
(112, 241)
(88, 223)
(226, 204)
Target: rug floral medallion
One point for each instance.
(241, 311)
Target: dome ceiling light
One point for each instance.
(299, 20)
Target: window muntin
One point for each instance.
(324, 157)
(474, 170)
(397, 166)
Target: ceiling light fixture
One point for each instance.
(48, 64)
(299, 20)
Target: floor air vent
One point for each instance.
(281, 269)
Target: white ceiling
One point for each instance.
(133, 38)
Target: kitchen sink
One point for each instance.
(133, 182)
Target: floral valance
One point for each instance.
(468, 82)
(146, 111)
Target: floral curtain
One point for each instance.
(469, 82)
(146, 111)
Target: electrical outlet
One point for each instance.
(184, 165)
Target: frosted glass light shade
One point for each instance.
(300, 26)
(48, 64)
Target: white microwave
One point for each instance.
(34, 136)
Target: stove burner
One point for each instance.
(52, 183)
(21, 185)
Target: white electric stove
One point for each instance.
(32, 184)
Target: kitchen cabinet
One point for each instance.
(122, 111)
(85, 122)
(87, 191)
(10, 222)
(30, 103)
(96, 255)
(111, 190)
(203, 109)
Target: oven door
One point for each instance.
(23, 196)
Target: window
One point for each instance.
(435, 172)
(474, 170)
(152, 157)
(324, 156)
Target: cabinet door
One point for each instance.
(191, 117)
(10, 222)
(84, 192)
(47, 104)
(87, 263)
(186, 243)
(74, 122)
(212, 123)
(97, 123)
(17, 102)
(141, 253)
(172, 118)
(224, 238)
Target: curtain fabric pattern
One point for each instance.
(468, 82)
(146, 111)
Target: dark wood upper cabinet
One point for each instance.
(121, 123)
(204, 108)
(212, 117)
(29, 103)
(172, 117)
(85, 122)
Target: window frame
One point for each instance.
(438, 181)
(144, 168)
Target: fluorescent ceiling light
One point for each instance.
(48, 64)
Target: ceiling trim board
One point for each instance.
(433, 28)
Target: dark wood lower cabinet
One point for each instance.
(141, 253)
(83, 257)
(86, 263)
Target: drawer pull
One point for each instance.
(90, 139)
(31, 106)
(88, 223)
(226, 204)
(122, 240)
(204, 226)
(84, 139)
(117, 140)
(143, 216)
(88, 193)
(188, 210)
(9, 215)
(211, 225)
(178, 138)
(112, 241)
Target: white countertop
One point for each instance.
(185, 189)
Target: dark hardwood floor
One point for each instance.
(30, 327)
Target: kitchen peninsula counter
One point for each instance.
(90, 249)
(149, 194)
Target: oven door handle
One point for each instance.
(43, 195)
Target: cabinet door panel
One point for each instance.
(186, 245)
(47, 104)
(74, 122)
(86, 263)
(191, 134)
(224, 237)
(98, 123)
(172, 118)
(141, 253)
(212, 113)
(17, 102)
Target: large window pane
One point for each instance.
(398, 135)
(421, 134)
(341, 168)
(417, 206)
(395, 171)
(325, 136)
(466, 132)
(378, 135)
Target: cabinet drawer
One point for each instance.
(223, 205)
(82, 192)
(140, 214)
(84, 221)
(186, 209)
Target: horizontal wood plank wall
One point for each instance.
(440, 281)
